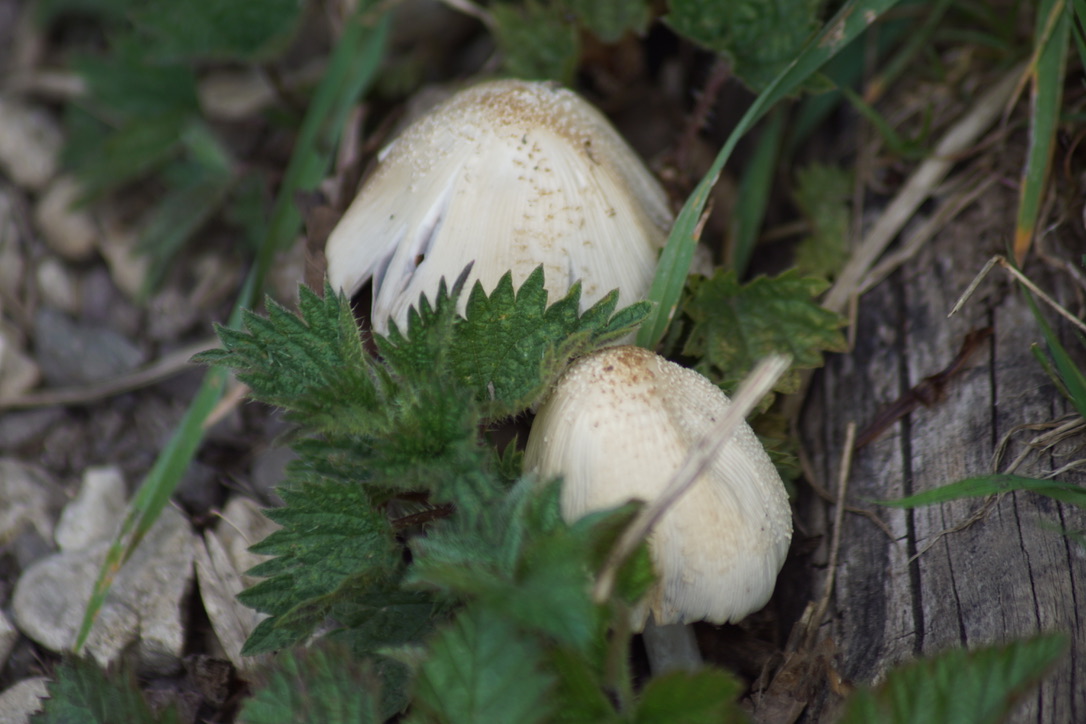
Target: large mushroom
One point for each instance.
(618, 426)
(506, 175)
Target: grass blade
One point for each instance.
(1071, 376)
(754, 193)
(352, 68)
(1047, 75)
(852, 19)
(984, 485)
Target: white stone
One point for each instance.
(144, 606)
(220, 583)
(96, 512)
(20, 701)
(18, 372)
(58, 285)
(30, 142)
(244, 525)
(68, 228)
(127, 267)
(30, 500)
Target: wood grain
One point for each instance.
(1010, 574)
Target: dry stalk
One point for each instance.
(171, 364)
(920, 185)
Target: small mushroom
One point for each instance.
(616, 427)
(506, 175)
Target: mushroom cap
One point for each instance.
(506, 175)
(617, 427)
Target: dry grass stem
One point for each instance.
(919, 186)
(946, 213)
(1024, 280)
(171, 364)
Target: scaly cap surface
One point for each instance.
(617, 427)
(506, 175)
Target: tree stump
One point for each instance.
(1009, 574)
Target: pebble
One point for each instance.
(58, 285)
(30, 142)
(31, 500)
(68, 228)
(19, 701)
(127, 267)
(22, 427)
(18, 372)
(75, 354)
(50, 598)
(95, 514)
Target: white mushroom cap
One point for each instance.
(506, 175)
(617, 427)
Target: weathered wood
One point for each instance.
(1009, 575)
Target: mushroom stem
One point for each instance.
(672, 647)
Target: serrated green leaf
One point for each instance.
(482, 670)
(509, 346)
(385, 617)
(734, 325)
(312, 365)
(822, 194)
(108, 160)
(609, 20)
(521, 560)
(82, 693)
(958, 687)
(760, 38)
(984, 485)
(580, 689)
(538, 40)
(323, 684)
(334, 543)
(123, 86)
(683, 697)
(217, 29)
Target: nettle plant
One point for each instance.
(419, 571)
(420, 567)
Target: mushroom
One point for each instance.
(506, 175)
(618, 426)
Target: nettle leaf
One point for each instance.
(312, 365)
(510, 346)
(538, 40)
(734, 325)
(334, 543)
(124, 86)
(609, 20)
(760, 38)
(323, 684)
(82, 692)
(822, 195)
(958, 686)
(520, 559)
(218, 29)
(700, 697)
(106, 159)
(483, 670)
